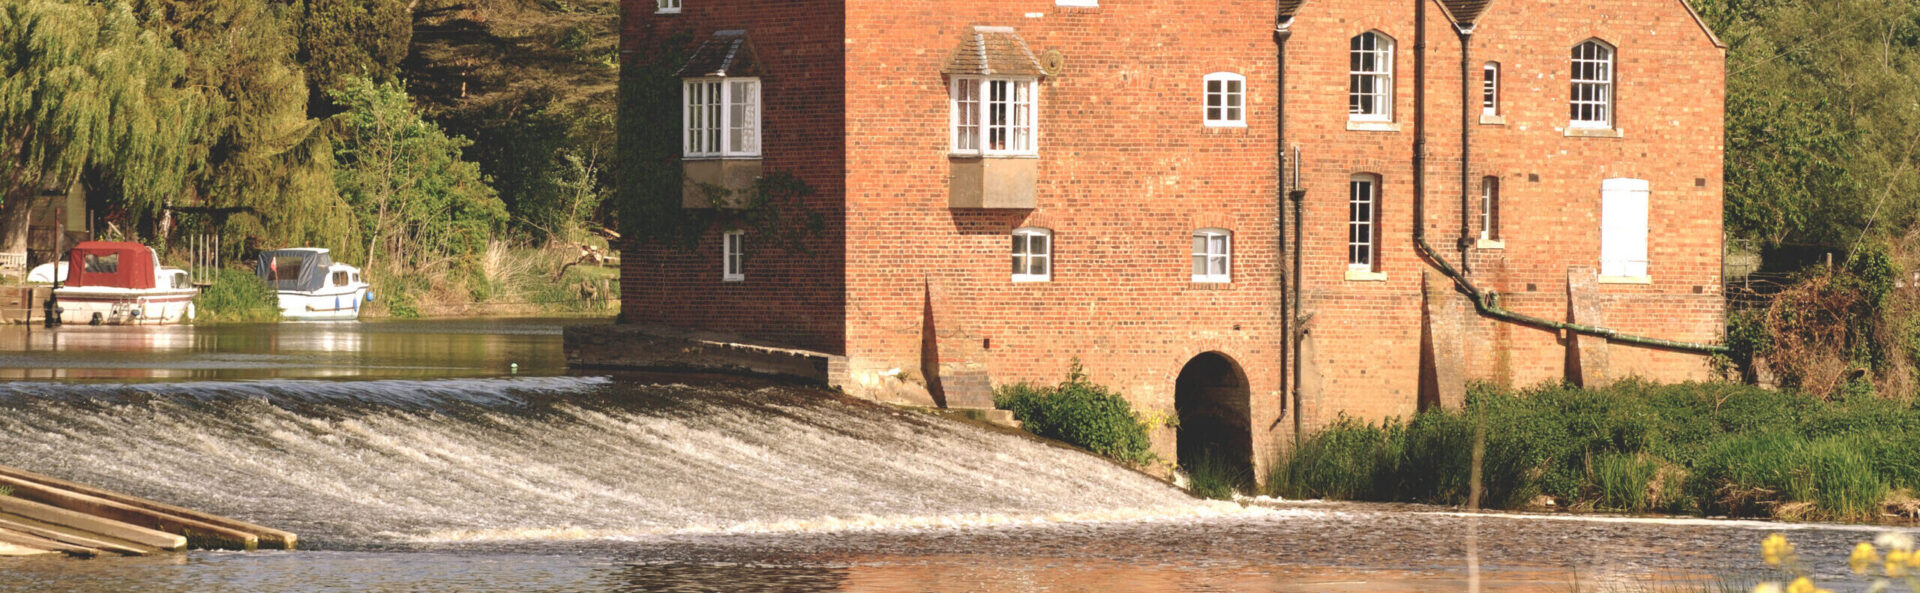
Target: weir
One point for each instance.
(362, 465)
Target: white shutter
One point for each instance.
(1623, 227)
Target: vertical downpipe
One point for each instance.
(1419, 122)
(1289, 190)
(1466, 149)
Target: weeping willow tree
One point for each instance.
(88, 90)
(268, 180)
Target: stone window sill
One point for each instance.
(1357, 275)
(1373, 126)
(1490, 244)
(1644, 280)
(1492, 119)
(1199, 285)
(1595, 133)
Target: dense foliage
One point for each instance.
(1082, 413)
(1695, 448)
(91, 92)
(237, 296)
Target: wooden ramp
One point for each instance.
(45, 515)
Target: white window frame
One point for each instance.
(972, 115)
(707, 134)
(1363, 218)
(1490, 89)
(733, 256)
(1375, 105)
(667, 7)
(1214, 246)
(1624, 230)
(1489, 206)
(1224, 103)
(1025, 256)
(1590, 98)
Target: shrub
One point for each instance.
(1635, 447)
(1211, 476)
(237, 296)
(1081, 413)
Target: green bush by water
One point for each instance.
(237, 296)
(1634, 447)
(1081, 413)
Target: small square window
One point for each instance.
(733, 257)
(1226, 100)
(1032, 255)
(667, 6)
(1212, 256)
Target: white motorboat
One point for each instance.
(123, 284)
(311, 287)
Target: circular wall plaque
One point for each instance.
(1052, 61)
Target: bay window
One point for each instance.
(722, 117)
(994, 116)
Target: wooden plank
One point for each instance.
(29, 541)
(199, 533)
(91, 524)
(265, 537)
(10, 551)
(73, 536)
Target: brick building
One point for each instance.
(1002, 186)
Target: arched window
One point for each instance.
(1370, 78)
(1591, 101)
(1213, 255)
(1226, 100)
(1490, 89)
(1032, 255)
(1363, 223)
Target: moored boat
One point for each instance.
(311, 286)
(116, 283)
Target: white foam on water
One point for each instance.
(1200, 510)
(374, 462)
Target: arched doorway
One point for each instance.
(1213, 401)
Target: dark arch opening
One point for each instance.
(1213, 402)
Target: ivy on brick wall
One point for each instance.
(651, 180)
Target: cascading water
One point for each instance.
(375, 464)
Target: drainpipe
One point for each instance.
(1466, 149)
(1289, 281)
(1487, 302)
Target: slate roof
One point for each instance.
(993, 51)
(727, 53)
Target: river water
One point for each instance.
(462, 457)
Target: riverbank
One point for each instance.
(506, 282)
(1693, 449)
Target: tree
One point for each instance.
(269, 176)
(88, 90)
(344, 39)
(418, 203)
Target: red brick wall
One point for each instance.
(1669, 98)
(857, 105)
(1127, 172)
(791, 296)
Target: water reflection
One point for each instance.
(388, 349)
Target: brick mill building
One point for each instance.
(1254, 216)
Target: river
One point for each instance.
(461, 456)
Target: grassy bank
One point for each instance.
(1716, 449)
(505, 280)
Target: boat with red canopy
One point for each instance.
(119, 283)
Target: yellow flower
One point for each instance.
(1897, 563)
(1863, 558)
(1775, 549)
(1801, 585)
(1767, 588)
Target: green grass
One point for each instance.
(237, 296)
(1211, 476)
(1635, 447)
